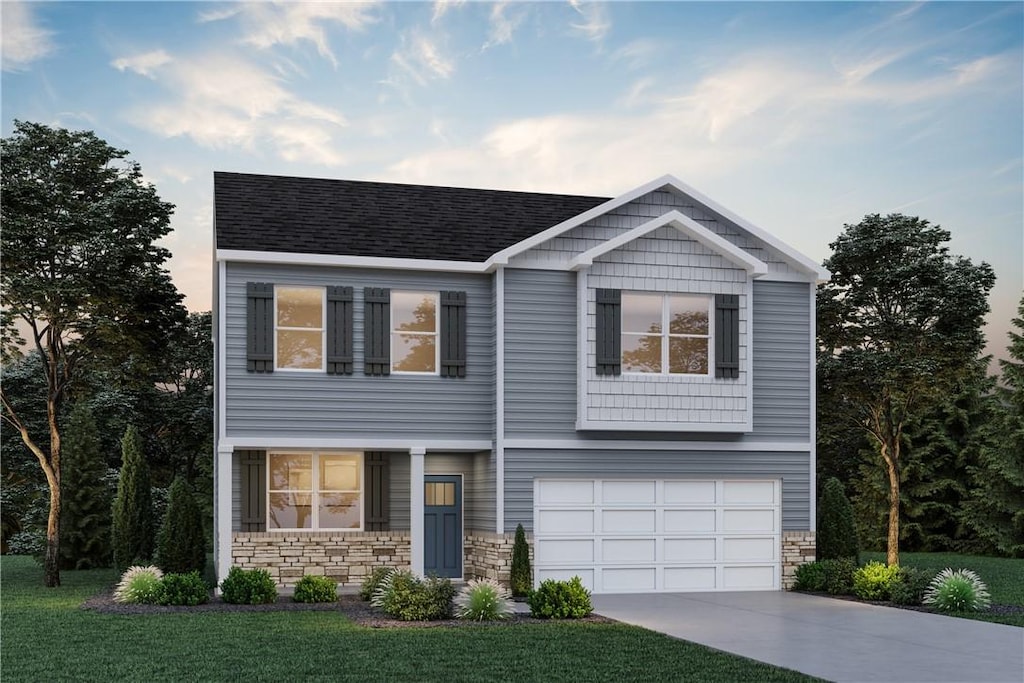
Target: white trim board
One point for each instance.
(302, 259)
(619, 445)
(368, 444)
(626, 426)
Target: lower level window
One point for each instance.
(314, 490)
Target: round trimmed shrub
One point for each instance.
(404, 596)
(810, 576)
(188, 589)
(957, 590)
(874, 581)
(248, 587)
(560, 600)
(911, 586)
(315, 589)
(139, 585)
(839, 576)
(483, 600)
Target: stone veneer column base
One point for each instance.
(798, 547)
(346, 557)
(488, 555)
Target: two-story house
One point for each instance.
(405, 373)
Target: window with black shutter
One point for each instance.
(453, 334)
(609, 331)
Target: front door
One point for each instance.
(442, 525)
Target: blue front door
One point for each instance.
(442, 525)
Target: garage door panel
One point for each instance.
(748, 492)
(559, 492)
(687, 521)
(615, 492)
(565, 521)
(690, 549)
(747, 578)
(628, 550)
(566, 551)
(690, 578)
(748, 520)
(748, 549)
(628, 580)
(635, 521)
(690, 492)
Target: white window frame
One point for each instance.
(436, 334)
(323, 330)
(315, 492)
(666, 335)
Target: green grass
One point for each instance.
(1003, 576)
(46, 636)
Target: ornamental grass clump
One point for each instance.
(483, 600)
(139, 586)
(402, 595)
(957, 590)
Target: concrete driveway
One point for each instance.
(837, 640)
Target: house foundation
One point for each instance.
(798, 547)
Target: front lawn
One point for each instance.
(46, 636)
(1003, 576)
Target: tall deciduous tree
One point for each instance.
(996, 507)
(897, 325)
(81, 272)
(133, 507)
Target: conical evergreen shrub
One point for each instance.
(181, 545)
(133, 506)
(836, 536)
(520, 577)
(85, 503)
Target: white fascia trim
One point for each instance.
(499, 430)
(503, 256)
(291, 258)
(803, 262)
(787, 277)
(575, 444)
(624, 426)
(684, 224)
(813, 481)
(220, 378)
(369, 444)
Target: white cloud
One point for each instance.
(22, 40)
(441, 8)
(502, 26)
(636, 54)
(144, 64)
(594, 23)
(420, 58)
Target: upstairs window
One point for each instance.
(414, 346)
(299, 328)
(666, 333)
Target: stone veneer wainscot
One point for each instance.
(798, 547)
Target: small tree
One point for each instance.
(133, 507)
(85, 520)
(836, 536)
(181, 546)
(520, 578)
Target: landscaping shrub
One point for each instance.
(133, 506)
(911, 585)
(483, 600)
(874, 581)
(187, 588)
(836, 536)
(839, 576)
(85, 499)
(248, 587)
(959, 590)
(403, 596)
(181, 546)
(520, 577)
(139, 585)
(315, 589)
(372, 581)
(560, 600)
(810, 576)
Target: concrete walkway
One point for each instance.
(838, 640)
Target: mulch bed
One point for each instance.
(349, 606)
(993, 609)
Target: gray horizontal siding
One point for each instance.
(311, 405)
(782, 361)
(523, 466)
(398, 488)
(478, 495)
(485, 487)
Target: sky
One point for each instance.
(800, 117)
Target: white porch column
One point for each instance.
(222, 510)
(416, 468)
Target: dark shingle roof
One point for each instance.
(355, 218)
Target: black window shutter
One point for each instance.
(453, 334)
(727, 336)
(339, 331)
(609, 332)
(377, 331)
(259, 326)
(254, 490)
(378, 506)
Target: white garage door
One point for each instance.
(632, 535)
